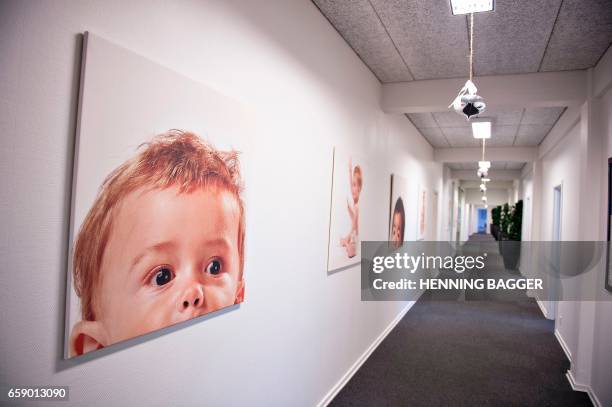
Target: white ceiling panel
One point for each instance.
(460, 137)
(361, 28)
(431, 40)
(501, 141)
(525, 141)
(402, 40)
(454, 166)
(495, 165)
(434, 136)
(512, 39)
(581, 35)
(503, 117)
(450, 119)
(503, 131)
(514, 166)
(511, 127)
(542, 115)
(534, 131)
(422, 120)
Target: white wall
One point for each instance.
(602, 346)
(299, 330)
(571, 156)
(561, 167)
(526, 194)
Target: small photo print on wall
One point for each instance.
(157, 233)
(422, 213)
(349, 205)
(397, 215)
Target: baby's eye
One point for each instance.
(214, 267)
(162, 276)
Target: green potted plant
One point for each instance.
(496, 221)
(512, 222)
(504, 220)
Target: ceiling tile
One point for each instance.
(460, 137)
(434, 136)
(514, 165)
(512, 39)
(450, 119)
(361, 28)
(432, 41)
(401, 40)
(582, 34)
(542, 115)
(527, 141)
(498, 165)
(533, 131)
(422, 120)
(501, 141)
(502, 117)
(454, 166)
(503, 131)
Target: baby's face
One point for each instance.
(396, 228)
(170, 257)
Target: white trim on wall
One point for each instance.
(564, 346)
(361, 360)
(583, 387)
(542, 308)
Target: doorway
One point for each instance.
(558, 199)
(482, 220)
(434, 203)
(556, 252)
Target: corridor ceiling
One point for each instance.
(405, 40)
(496, 165)
(518, 127)
(408, 40)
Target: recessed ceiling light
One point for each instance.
(481, 129)
(471, 6)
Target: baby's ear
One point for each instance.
(240, 292)
(86, 336)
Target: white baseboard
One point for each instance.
(564, 346)
(583, 387)
(542, 308)
(355, 367)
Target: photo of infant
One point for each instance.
(162, 243)
(349, 195)
(397, 213)
(398, 224)
(349, 242)
(157, 230)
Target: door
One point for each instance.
(556, 237)
(482, 220)
(434, 203)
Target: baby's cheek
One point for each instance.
(220, 296)
(141, 316)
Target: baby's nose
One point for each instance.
(193, 297)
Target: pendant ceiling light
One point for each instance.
(467, 102)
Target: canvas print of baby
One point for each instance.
(346, 207)
(349, 242)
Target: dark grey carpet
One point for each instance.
(466, 353)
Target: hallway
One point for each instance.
(296, 203)
(465, 353)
